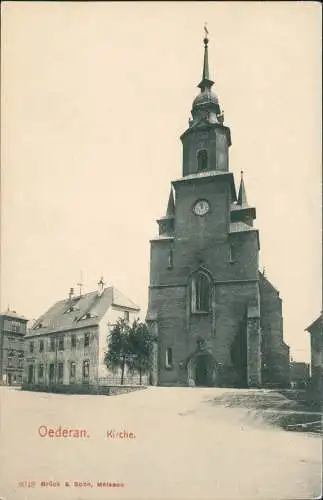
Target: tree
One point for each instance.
(139, 348)
(118, 347)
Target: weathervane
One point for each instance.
(206, 31)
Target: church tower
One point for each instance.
(204, 292)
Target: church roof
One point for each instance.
(81, 311)
(171, 205)
(240, 227)
(205, 97)
(207, 175)
(164, 237)
(242, 195)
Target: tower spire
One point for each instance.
(171, 204)
(242, 195)
(205, 83)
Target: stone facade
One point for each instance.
(206, 293)
(316, 334)
(66, 347)
(13, 328)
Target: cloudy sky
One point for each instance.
(94, 99)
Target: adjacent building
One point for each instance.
(216, 319)
(316, 333)
(66, 346)
(299, 374)
(12, 331)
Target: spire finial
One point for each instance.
(242, 195)
(206, 82)
(206, 32)
(171, 204)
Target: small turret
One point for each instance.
(166, 223)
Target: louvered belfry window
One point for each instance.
(202, 159)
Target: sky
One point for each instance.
(94, 99)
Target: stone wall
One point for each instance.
(275, 351)
(83, 389)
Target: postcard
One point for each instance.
(161, 325)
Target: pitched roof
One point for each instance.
(317, 323)
(171, 204)
(206, 175)
(242, 195)
(13, 315)
(85, 310)
(265, 280)
(240, 227)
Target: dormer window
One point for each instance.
(87, 315)
(202, 160)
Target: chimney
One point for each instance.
(70, 295)
(100, 287)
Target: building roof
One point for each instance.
(206, 175)
(80, 311)
(163, 237)
(13, 315)
(265, 280)
(316, 324)
(240, 227)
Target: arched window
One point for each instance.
(202, 159)
(201, 293)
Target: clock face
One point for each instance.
(201, 207)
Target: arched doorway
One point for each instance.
(201, 370)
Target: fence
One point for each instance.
(129, 380)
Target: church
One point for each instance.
(215, 318)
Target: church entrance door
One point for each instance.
(203, 370)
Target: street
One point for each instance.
(159, 443)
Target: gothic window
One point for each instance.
(200, 293)
(169, 357)
(86, 340)
(202, 159)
